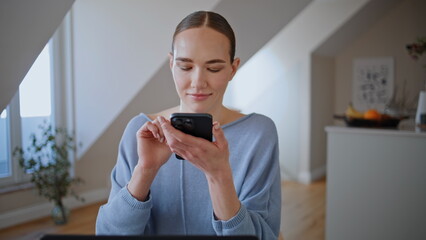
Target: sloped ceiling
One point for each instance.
(351, 29)
(25, 28)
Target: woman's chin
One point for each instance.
(196, 108)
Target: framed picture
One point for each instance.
(373, 83)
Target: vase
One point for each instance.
(60, 214)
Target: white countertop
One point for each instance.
(375, 131)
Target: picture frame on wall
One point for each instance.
(373, 82)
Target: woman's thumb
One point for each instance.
(219, 135)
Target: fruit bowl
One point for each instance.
(385, 122)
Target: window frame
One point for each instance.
(60, 51)
(14, 137)
(9, 179)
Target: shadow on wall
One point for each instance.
(158, 94)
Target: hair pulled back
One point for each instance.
(209, 19)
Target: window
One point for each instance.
(31, 107)
(4, 146)
(35, 105)
(45, 94)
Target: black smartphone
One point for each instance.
(195, 124)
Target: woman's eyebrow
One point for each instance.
(182, 59)
(215, 61)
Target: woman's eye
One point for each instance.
(185, 68)
(214, 70)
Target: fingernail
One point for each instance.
(160, 119)
(216, 125)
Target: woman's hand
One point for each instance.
(152, 148)
(209, 157)
(153, 153)
(213, 159)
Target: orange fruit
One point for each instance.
(372, 114)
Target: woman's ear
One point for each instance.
(170, 60)
(235, 65)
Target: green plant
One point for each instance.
(416, 50)
(46, 159)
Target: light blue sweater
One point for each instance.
(179, 202)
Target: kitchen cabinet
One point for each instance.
(376, 184)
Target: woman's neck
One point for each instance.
(220, 114)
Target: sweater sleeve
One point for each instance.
(260, 192)
(123, 214)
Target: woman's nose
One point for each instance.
(198, 79)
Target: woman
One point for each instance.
(230, 186)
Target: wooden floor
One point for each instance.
(303, 211)
(302, 214)
(81, 221)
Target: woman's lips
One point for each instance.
(199, 96)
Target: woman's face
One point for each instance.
(201, 68)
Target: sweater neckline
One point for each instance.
(238, 120)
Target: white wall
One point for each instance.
(322, 110)
(277, 80)
(386, 38)
(118, 46)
